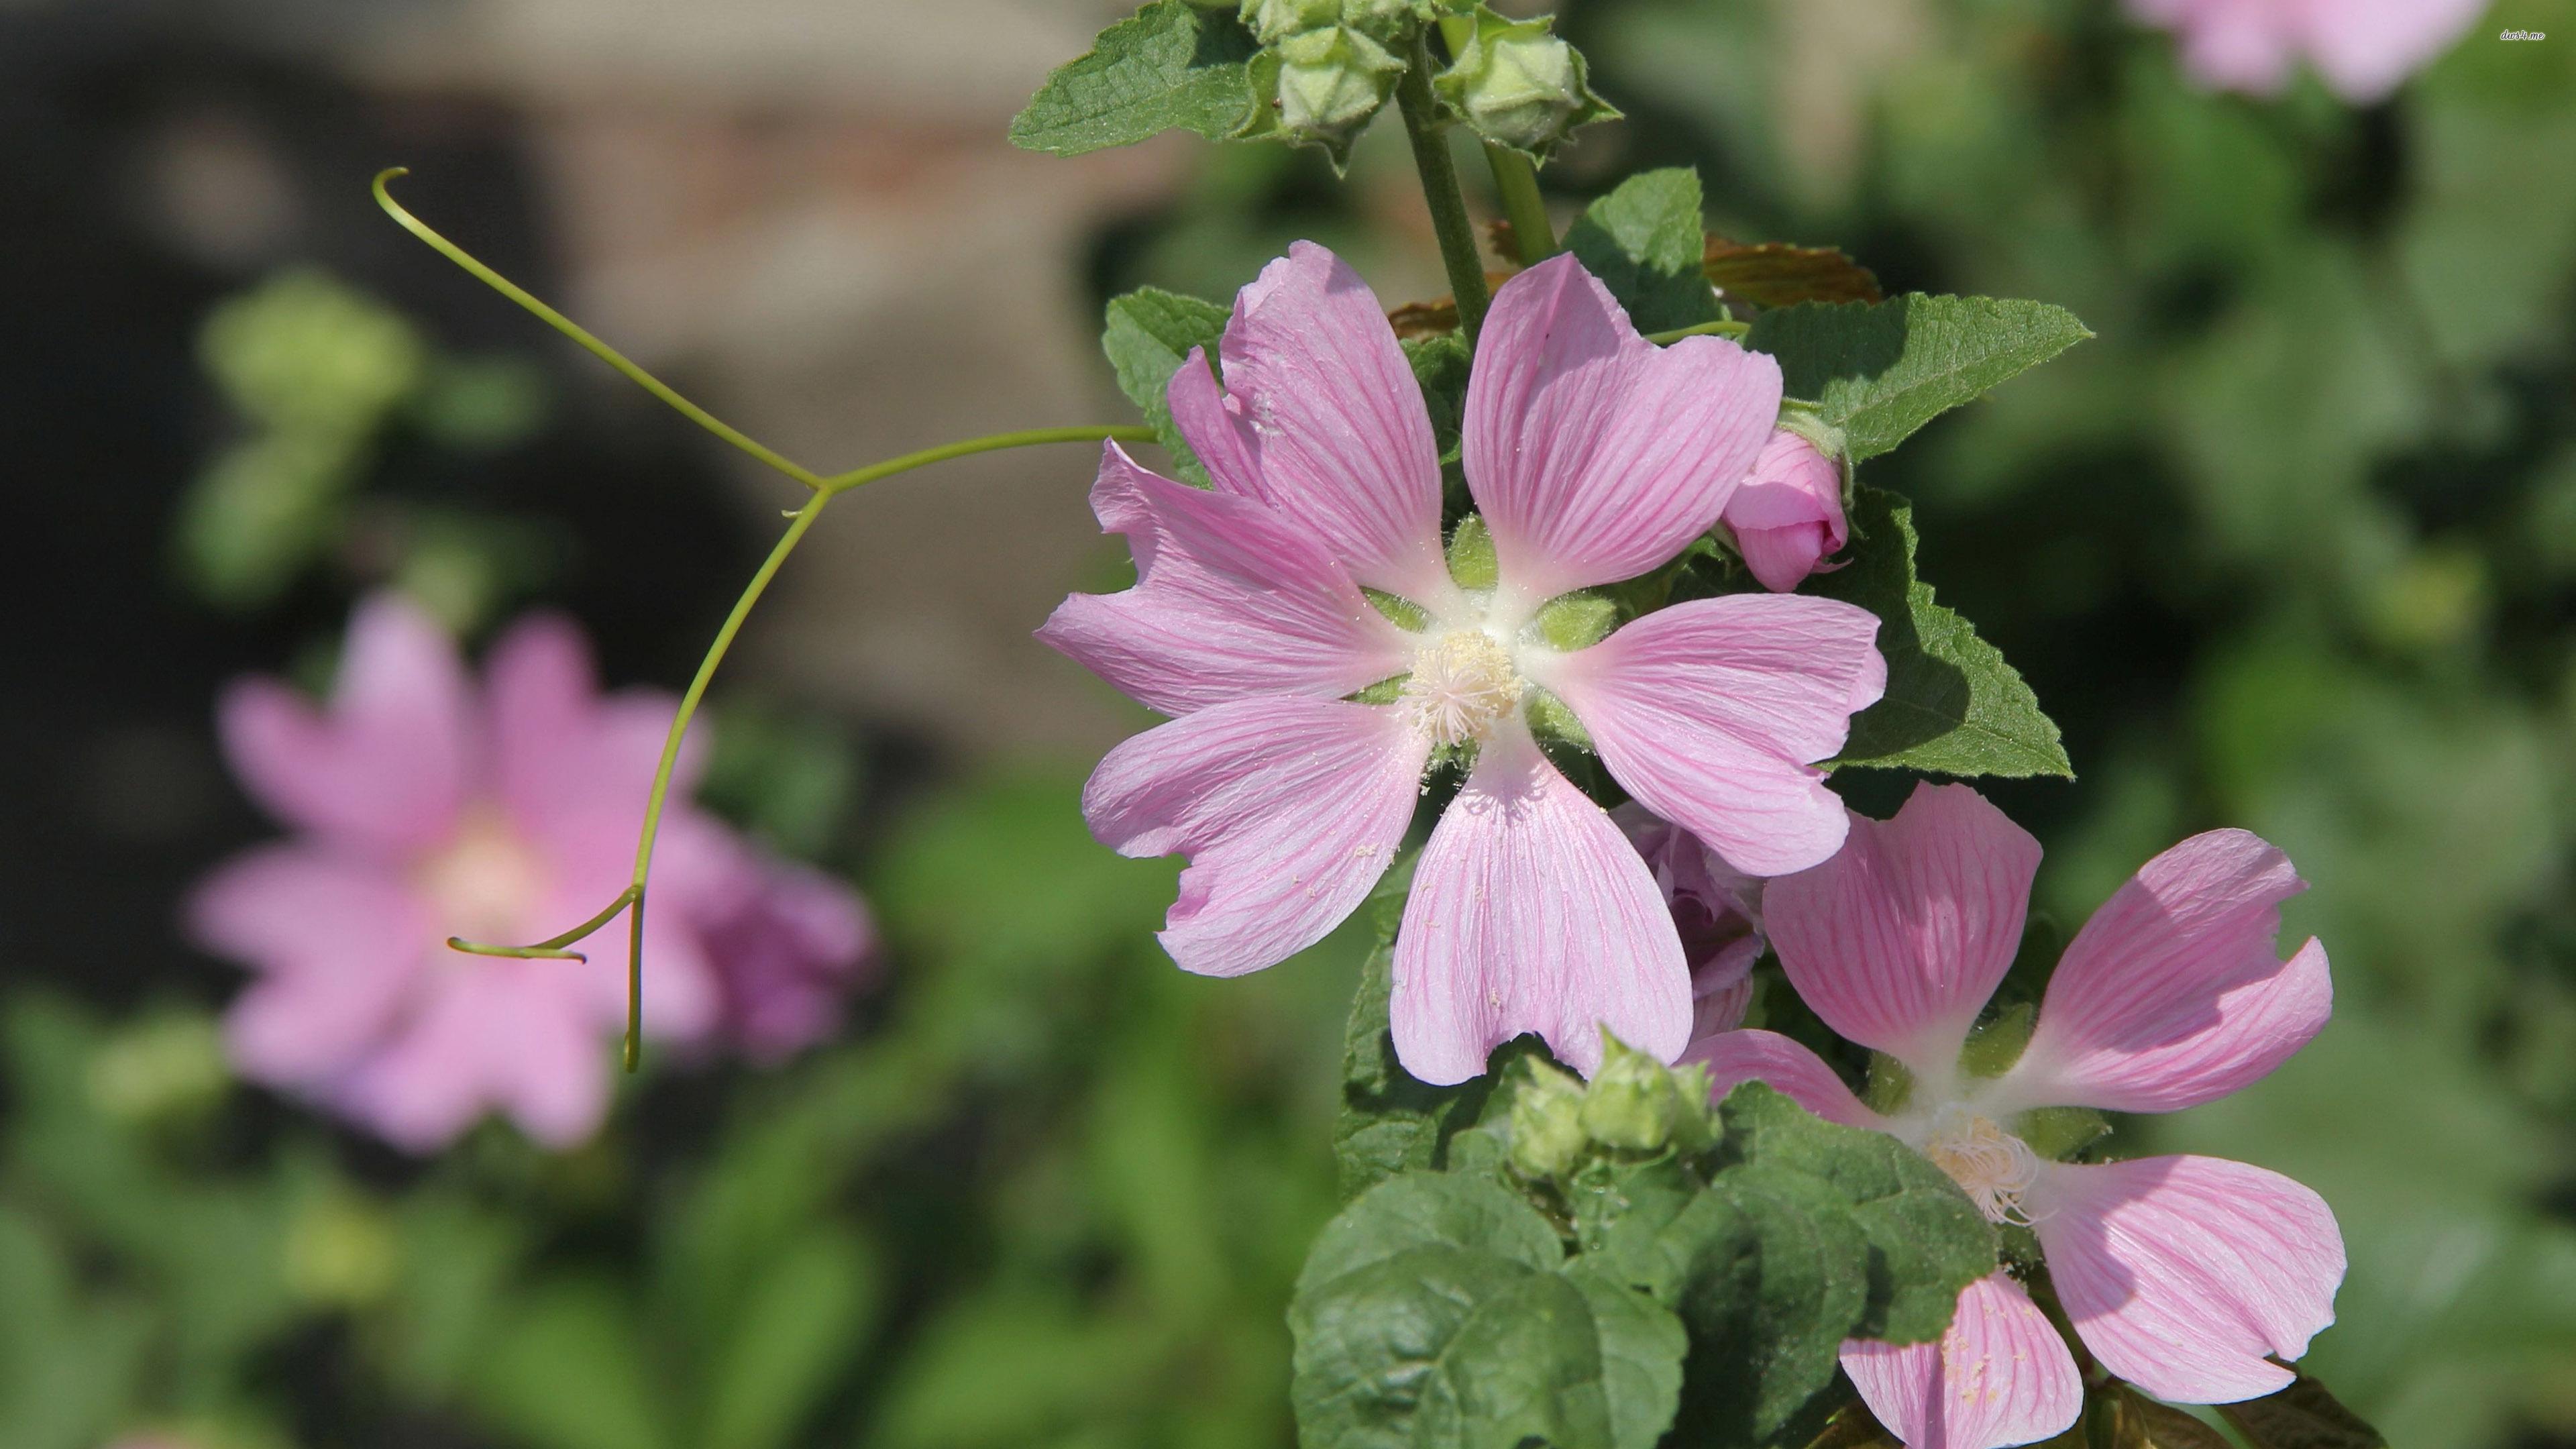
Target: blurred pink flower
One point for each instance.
(1717, 910)
(424, 811)
(2363, 48)
(2183, 1275)
(1593, 456)
(1788, 515)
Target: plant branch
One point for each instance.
(1422, 126)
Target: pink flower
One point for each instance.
(2363, 48)
(2181, 1274)
(789, 945)
(1716, 908)
(423, 811)
(1788, 515)
(1593, 456)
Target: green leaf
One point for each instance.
(1642, 1346)
(1430, 1209)
(1645, 242)
(2302, 1416)
(1926, 1240)
(798, 1326)
(1445, 1346)
(1171, 64)
(1148, 335)
(1771, 1272)
(1879, 372)
(1953, 706)
(1440, 366)
(1430, 1312)
(564, 1371)
(2141, 1423)
(1390, 1120)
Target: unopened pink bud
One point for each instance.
(1788, 514)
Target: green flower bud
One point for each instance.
(1519, 86)
(166, 1070)
(1547, 1128)
(1633, 1104)
(1330, 83)
(1270, 21)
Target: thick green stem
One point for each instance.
(1516, 181)
(1440, 188)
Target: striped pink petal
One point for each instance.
(1999, 1376)
(1736, 1057)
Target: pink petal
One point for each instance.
(2366, 48)
(513, 1035)
(1736, 1057)
(1530, 912)
(571, 762)
(1324, 422)
(1999, 1376)
(1594, 454)
(1789, 512)
(385, 767)
(1289, 810)
(1232, 599)
(2182, 1273)
(1898, 941)
(1712, 713)
(341, 944)
(2171, 995)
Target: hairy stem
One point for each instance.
(1440, 188)
(1516, 181)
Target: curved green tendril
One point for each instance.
(1721, 328)
(825, 489)
(577, 333)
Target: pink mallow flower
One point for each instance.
(1717, 910)
(1593, 456)
(2363, 48)
(2183, 1275)
(1788, 515)
(424, 809)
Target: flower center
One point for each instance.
(485, 881)
(1462, 682)
(1993, 1166)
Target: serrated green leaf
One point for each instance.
(1642, 1347)
(2303, 1416)
(1147, 335)
(1170, 65)
(1440, 366)
(1953, 706)
(1428, 1209)
(1444, 1346)
(1880, 372)
(1645, 242)
(1926, 1240)
(1772, 1272)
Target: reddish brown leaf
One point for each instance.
(1776, 274)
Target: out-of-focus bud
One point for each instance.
(165, 1070)
(1329, 83)
(1633, 1103)
(341, 1251)
(1518, 85)
(1716, 908)
(1547, 1123)
(1787, 515)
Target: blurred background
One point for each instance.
(2291, 545)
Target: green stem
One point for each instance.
(575, 331)
(1024, 438)
(1440, 189)
(1722, 328)
(1516, 181)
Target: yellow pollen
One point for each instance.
(1462, 682)
(1991, 1165)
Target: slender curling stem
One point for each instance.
(551, 949)
(1024, 438)
(577, 333)
(1516, 181)
(1440, 189)
(1724, 328)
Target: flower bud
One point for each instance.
(1518, 85)
(1331, 81)
(1271, 21)
(1633, 1103)
(1547, 1127)
(1788, 513)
